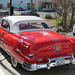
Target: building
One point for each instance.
(16, 3)
(26, 4)
(43, 4)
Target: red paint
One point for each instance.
(42, 44)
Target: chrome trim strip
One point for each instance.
(18, 50)
(22, 54)
(28, 30)
(6, 29)
(25, 56)
(60, 58)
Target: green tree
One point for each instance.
(66, 4)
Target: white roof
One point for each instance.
(20, 18)
(15, 20)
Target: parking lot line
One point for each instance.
(1, 72)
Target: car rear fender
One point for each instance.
(10, 45)
(72, 39)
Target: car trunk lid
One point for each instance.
(49, 43)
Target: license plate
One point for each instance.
(60, 61)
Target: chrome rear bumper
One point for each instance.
(49, 64)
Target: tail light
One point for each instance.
(31, 56)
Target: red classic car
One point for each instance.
(30, 42)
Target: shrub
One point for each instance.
(59, 21)
(48, 16)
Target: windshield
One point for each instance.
(32, 25)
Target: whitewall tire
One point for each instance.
(15, 62)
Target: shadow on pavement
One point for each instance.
(6, 56)
(7, 68)
(60, 70)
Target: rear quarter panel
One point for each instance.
(10, 44)
(72, 39)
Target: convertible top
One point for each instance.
(21, 18)
(14, 21)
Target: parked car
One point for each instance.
(74, 29)
(4, 12)
(30, 42)
(18, 9)
(28, 12)
(48, 10)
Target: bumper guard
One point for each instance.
(49, 64)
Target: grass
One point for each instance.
(51, 22)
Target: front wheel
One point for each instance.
(15, 62)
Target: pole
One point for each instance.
(11, 8)
(31, 7)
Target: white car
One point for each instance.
(74, 29)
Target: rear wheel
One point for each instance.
(15, 63)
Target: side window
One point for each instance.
(5, 24)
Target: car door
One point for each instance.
(3, 31)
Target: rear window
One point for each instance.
(32, 25)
